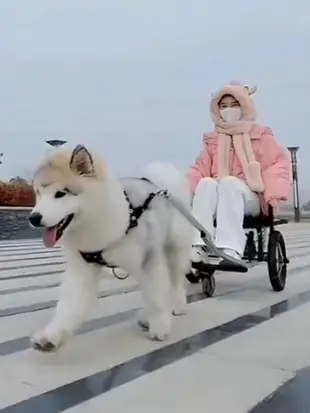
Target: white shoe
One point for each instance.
(232, 253)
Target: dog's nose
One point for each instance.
(35, 219)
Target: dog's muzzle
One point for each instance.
(35, 219)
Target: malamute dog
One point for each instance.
(101, 220)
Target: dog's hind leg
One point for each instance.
(155, 284)
(79, 292)
(178, 262)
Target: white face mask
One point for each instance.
(231, 115)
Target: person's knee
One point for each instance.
(206, 184)
(230, 183)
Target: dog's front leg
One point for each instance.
(79, 292)
(155, 285)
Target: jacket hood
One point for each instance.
(242, 94)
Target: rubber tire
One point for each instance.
(275, 241)
(192, 278)
(208, 285)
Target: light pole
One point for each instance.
(293, 150)
(56, 143)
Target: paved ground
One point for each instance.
(228, 354)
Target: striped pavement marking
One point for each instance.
(230, 353)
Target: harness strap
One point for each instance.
(135, 214)
(96, 258)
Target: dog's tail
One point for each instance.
(167, 176)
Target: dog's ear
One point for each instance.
(81, 161)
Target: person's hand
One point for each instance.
(273, 202)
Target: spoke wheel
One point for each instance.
(277, 261)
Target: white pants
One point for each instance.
(228, 200)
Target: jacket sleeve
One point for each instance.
(201, 168)
(276, 168)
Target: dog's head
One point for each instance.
(61, 191)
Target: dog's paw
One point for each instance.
(160, 328)
(43, 345)
(159, 335)
(144, 324)
(143, 321)
(179, 303)
(47, 343)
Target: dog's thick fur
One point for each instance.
(157, 251)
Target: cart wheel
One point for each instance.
(192, 277)
(277, 261)
(208, 284)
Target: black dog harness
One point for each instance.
(135, 214)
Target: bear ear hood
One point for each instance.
(242, 93)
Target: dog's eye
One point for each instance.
(60, 194)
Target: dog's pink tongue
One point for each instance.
(49, 237)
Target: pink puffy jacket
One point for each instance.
(273, 158)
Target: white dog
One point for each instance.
(102, 220)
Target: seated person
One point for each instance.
(240, 170)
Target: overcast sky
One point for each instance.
(133, 78)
